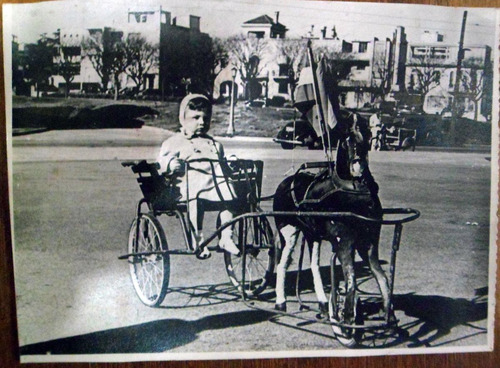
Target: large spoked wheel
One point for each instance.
(257, 261)
(149, 267)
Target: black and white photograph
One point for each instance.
(235, 179)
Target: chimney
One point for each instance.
(323, 32)
(277, 16)
(194, 23)
(334, 33)
(311, 32)
(174, 21)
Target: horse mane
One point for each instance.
(342, 162)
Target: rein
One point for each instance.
(354, 187)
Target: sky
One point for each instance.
(221, 18)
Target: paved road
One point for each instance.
(73, 206)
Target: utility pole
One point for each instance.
(458, 79)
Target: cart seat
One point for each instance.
(162, 195)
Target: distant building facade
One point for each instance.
(371, 68)
(273, 79)
(183, 52)
(432, 67)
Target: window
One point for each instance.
(439, 52)
(451, 81)
(419, 51)
(346, 46)
(283, 87)
(436, 76)
(256, 34)
(283, 70)
(363, 47)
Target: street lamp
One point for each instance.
(230, 128)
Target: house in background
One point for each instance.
(431, 67)
(20, 85)
(183, 50)
(68, 50)
(370, 68)
(273, 79)
(264, 27)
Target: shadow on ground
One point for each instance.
(436, 316)
(151, 337)
(33, 119)
(431, 318)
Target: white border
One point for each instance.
(7, 22)
(494, 188)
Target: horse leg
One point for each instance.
(347, 262)
(315, 251)
(288, 235)
(369, 254)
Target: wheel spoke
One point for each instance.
(149, 272)
(259, 264)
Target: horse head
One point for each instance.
(354, 143)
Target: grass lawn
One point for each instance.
(249, 121)
(31, 114)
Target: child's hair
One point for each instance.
(200, 104)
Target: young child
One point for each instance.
(193, 142)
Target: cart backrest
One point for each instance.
(247, 177)
(163, 195)
(159, 191)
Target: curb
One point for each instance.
(243, 139)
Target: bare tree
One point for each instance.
(67, 66)
(141, 58)
(38, 63)
(246, 53)
(339, 63)
(119, 65)
(425, 75)
(473, 87)
(381, 78)
(219, 59)
(476, 82)
(107, 54)
(294, 52)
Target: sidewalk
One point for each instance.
(153, 137)
(145, 136)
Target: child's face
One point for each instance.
(196, 122)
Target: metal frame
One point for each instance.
(405, 215)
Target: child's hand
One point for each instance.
(176, 166)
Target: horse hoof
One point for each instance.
(323, 308)
(280, 307)
(204, 254)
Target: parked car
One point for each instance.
(430, 130)
(388, 107)
(297, 133)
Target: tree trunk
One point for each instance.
(116, 87)
(66, 92)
